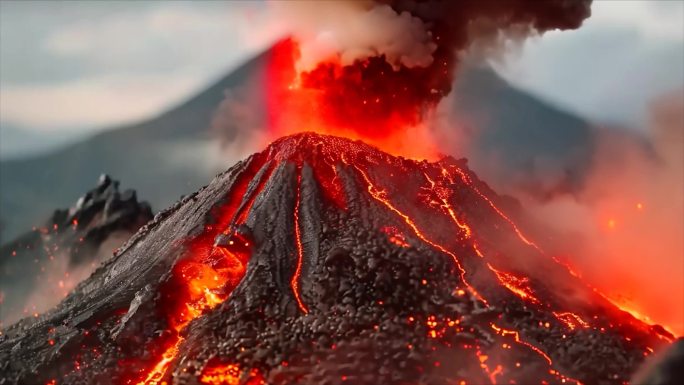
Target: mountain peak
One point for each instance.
(325, 260)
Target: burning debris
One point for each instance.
(325, 261)
(40, 267)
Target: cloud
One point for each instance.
(88, 66)
(627, 53)
(96, 102)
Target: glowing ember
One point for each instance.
(519, 286)
(230, 374)
(571, 320)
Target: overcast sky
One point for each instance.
(93, 64)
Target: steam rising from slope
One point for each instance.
(623, 230)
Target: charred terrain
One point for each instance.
(71, 243)
(326, 261)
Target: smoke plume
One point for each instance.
(373, 69)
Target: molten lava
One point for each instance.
(367, 100)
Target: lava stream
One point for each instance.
(467, 180)
(516, 336)
(378, 195)
(207, 276)
(300, 253)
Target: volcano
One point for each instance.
(323, 260)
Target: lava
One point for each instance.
(230, 374)
(206, 277)
(300, 253)
(571, 320)
(516, 336)
(518, 285)
(379, 195)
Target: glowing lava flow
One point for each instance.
(378, 195)
(491, 374)
(201, 279)
(515, 284)
(207, 276)
(300, 253)
(571, 320)
(516, 336)
(230, 374)
(518, 286)
(466, 179)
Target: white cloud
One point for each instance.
(626, 54)
(121, 65)
(92, 103)
(653, 19)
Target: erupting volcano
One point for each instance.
(322, 260)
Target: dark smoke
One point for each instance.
(456, 25)
(407, 65)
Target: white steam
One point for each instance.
(355, 30)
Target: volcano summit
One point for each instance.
(326, 261)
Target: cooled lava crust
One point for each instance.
(326, 261)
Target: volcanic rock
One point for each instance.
(47, 260)
(326, 261)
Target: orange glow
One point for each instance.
(571, 320)
(230, 374)
(300, 253)
(516, 336)
(611, 224)
(395, 236)
(466, 179)
(368, 101)
(517, 285)
(491, 374)
(208, 274)
(204, 278)
(379, 195)
(156, 374)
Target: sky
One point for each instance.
(85, 65)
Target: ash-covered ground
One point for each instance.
(326, 261)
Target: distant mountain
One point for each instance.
(20, 142)
(519, 139)
(165, 157)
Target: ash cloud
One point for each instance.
(424, 35)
